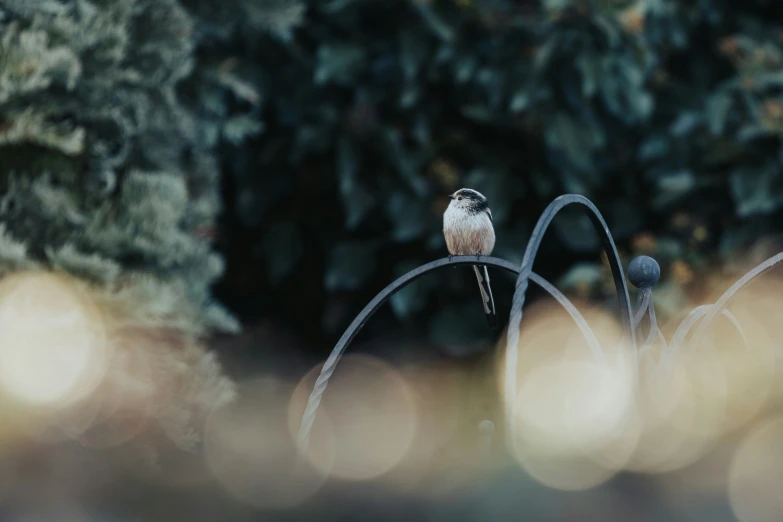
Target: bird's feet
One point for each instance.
(478, 256)
(451, 256)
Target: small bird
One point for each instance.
(467, 227)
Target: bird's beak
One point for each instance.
(451, 196)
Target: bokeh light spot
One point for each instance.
(373, 414)
(756, 476)
(250, 451)
(52, 340)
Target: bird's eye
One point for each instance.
(459, 198)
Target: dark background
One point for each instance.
(666, 114)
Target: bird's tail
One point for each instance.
(486, 295)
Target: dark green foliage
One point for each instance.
(667, 113)
(108, 141)
(104, 172)
(109, 172)
(342, 124)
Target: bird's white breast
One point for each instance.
(467, 233)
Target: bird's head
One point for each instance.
(468, 199)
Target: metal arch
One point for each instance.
(671, 352)
(308, 417)
(723, 302)
(525, 273)
(707, 314)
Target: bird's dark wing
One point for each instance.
(489, 213)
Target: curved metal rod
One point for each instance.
(649, 343)
(587, 332)
(711, 312)
(687, 324)
(642, 302)
(515, 317)
(738, 326)
(691, 320)
(646, 306)
(308, 417)
(721, 303)
(653, 327)
(643, 306)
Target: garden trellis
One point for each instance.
(643, 273)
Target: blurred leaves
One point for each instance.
(283, 249)
(108, 150)
(412, 298)
(373, 111)
(339, 64)
(408, 215)
(575, 230)
(581, 278)
(459, 328)
(757, 191)
(350, 265)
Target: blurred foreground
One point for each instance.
(92, 428)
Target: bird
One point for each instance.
(468, 229)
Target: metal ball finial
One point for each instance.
(644, 272)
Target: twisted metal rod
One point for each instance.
(308, 417)
(525, 273)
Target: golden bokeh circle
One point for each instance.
(372, 414)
